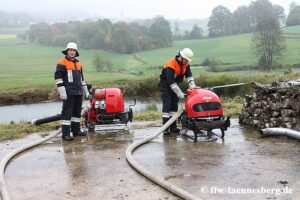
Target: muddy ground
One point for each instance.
(242, 166)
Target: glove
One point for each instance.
(177, 91)
(192, 85)
(191, 82)
(62, 92)
(90, 97)
(86, 92)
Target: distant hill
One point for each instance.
(24, 20)
(28, 65)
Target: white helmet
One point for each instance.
(71, 45)
(187, 54)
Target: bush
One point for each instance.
(151, 107)
(209, 62)
(101, 64)
(288, 69)
(147, 87)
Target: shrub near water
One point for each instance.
(232, 106)
(151, 113)
(32, 95)
(147, 87)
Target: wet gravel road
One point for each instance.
(242, 166)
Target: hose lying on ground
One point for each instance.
(165, 184)
(45, 120)
(3, 186)
(168, 186)
(280, 131)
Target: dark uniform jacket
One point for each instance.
(173, 72)
(69, 74)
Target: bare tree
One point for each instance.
(268, 42)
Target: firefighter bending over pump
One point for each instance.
(71, 87)
(171, 75)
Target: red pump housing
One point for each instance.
(106, 108)
(201, 103)
(203, 113)
(113, 97)
(114, 100)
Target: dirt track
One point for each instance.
(95, 167)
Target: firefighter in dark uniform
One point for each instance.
(71, 87)
(171, 75)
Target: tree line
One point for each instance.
(195, 34)
(121, 37)
(261, 18)
(244, 19)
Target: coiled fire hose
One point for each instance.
(3, 186)
(165, 184)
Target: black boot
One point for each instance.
(67, 138)
(75, 127)
(173, 128)
(80, 133)
(166, 131)
(66, 133)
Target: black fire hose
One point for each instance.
(46, 120)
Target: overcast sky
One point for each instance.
(170, 9)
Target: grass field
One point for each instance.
(27, 65)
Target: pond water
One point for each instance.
(27, 112)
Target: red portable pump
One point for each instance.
(105, 111)
(106, 107)
(203, 112)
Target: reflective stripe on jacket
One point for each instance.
(69, 74)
